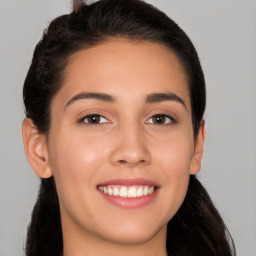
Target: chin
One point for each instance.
(135, 233)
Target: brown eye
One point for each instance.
(94, 119)
(161, 119)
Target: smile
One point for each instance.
(128, 191)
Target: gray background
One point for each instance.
(224, 33)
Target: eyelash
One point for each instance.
(82, 120)
(172, 120)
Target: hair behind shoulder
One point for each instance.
(197, 228)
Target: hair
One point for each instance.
(197, 228)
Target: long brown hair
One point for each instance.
(197, 228)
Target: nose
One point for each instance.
(130, 148)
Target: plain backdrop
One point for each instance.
(223, 32)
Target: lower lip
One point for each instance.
(130, 203)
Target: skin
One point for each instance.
(127, 143)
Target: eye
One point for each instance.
(161, 119)
(94, 119)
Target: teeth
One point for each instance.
(123, 192)
(150, 190)
(110, 191)
(116, 191)
(145, 191)
(132, 192)
(127, 191)
(140, 192)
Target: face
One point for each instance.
(121, 145)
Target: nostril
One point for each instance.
(131, 163)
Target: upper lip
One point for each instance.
(129, 182)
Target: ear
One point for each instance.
(198, 151)
(36, 149)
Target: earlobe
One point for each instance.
(195, 166)
(36, 149)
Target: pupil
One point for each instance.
(94, 119)
(159, 119)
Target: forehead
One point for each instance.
(123, 68)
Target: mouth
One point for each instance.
(129, 193)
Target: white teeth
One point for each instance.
(139, 192)
(151, 190)
(110, 191)
(123, 192)
(116, 191)
(145, 190)
(127, 191)
(132, 192)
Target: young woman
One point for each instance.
(114, 101)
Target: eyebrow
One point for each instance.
(151, 98)
(160, 97)
(91, 95)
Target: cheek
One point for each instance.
(174, 158)
(74, 151)
(75, 161)
(175, 152)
